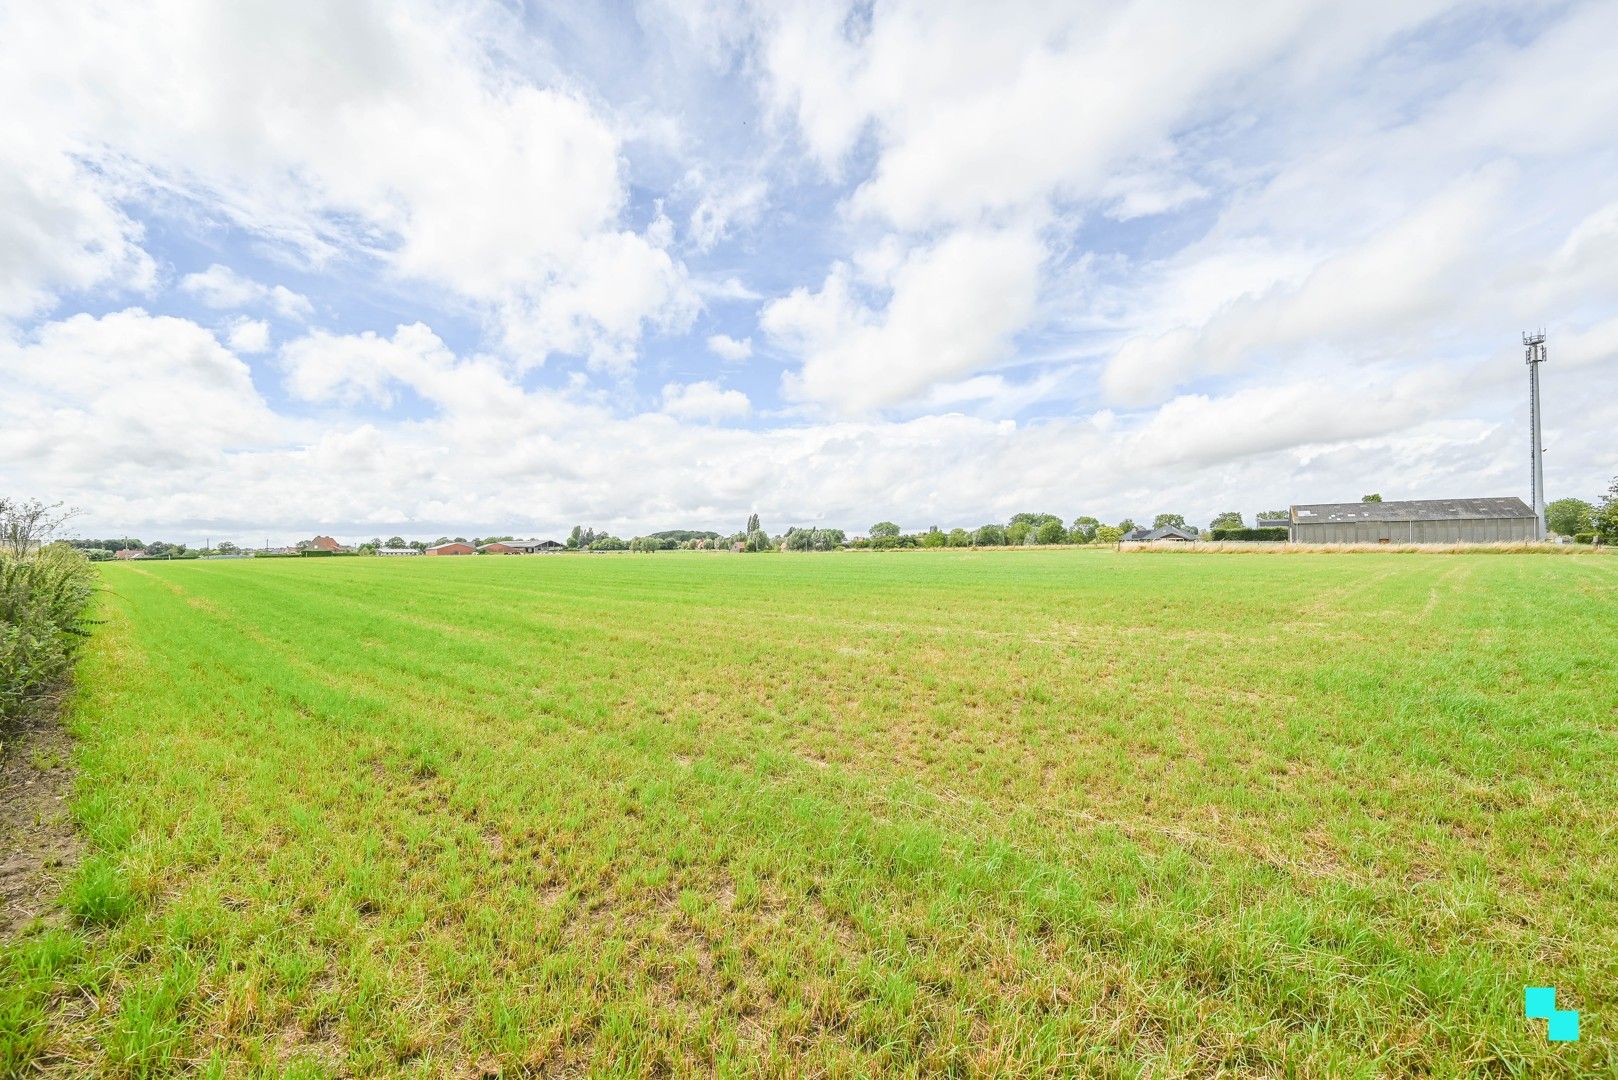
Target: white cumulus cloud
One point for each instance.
(704, 400)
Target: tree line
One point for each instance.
(1585, 522)
(1582, 520)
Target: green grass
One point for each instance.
(953, 813)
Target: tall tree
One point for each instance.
(1570, 517)
(1230, 519)
(27, 524)
(1606, 519)
(1371, 498)
(1163, 521)
(884, 528)
(1050, 532)
(1084, 530)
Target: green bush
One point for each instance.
(43, 599)
(1266, 535)
(1584, 538)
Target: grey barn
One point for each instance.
(1418, 521)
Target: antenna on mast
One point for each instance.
(1534, 355)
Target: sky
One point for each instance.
(276, 268)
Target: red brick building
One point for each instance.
(453, 548)
(325, 543)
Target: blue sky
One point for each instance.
(466, 268)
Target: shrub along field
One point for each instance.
(999, 813)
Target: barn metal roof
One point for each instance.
(1411, 510)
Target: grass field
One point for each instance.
(953, 813)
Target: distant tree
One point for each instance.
(1084, 530)
(1371, 498)
(990, 535)
(419, 545)
(1164, 521)
(225, 547)
(441, 540)
(573, 537)
(1111, 534)
(1034, 521)
(685, 534)
(1569, 517)
(1017, 533)
(933, 538)
(376, 542)
(1125, 525)
(752, 523)
(27, 524)
(1274, 513)
(1230, 519)
(1606, 518)
(1051, 532)
(396, 542)
(813, 539)
(884, 528)
(958, 538)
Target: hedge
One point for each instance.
(43, 599)
(1268, 535)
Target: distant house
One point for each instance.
(1418, 521)
(325, 543)
(1142, 535)
(129, 553)
(397, 551)
(522, 547)
(455, 547)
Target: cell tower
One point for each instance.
(1534, 347)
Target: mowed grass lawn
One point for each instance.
(952, 813)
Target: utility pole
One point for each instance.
(1534, 351)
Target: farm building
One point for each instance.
(455, 547)
(397, 551)
(1143, 535)
(521, 547)
(1267, 522)
(324, 543)
(1418, 521)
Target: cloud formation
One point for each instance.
(421, 267)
